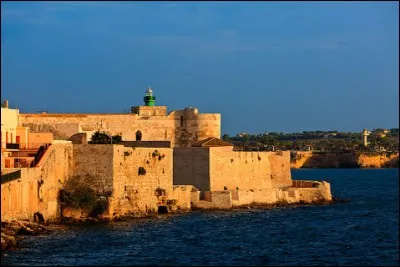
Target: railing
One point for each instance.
(5, 178)
(23, 145)
(39, 155)
(12, 146)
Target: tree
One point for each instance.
(103, 138)
(225, 137)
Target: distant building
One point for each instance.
(365, 134)
(13, 136)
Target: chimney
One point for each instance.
(5, 104)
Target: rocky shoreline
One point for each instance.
(12, 230)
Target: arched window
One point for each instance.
(138, 136)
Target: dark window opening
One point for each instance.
(181, 121)
(138, 136)
(162, 209)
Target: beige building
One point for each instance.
(9, 124)
(13, 136)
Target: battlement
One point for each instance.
(149, 110)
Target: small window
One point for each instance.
(138, 136)
(181, 121)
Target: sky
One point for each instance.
(265, 66)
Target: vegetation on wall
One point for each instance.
(77, 193)
(155, 153)
(103, 138)
(142, 171)
(160, 192)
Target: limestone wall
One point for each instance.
(241, 170)
(150, 110)
(35, 140)
(234, 198)
(37, 189)
(280, 168)
(191, 167)
(180, 127)
(183, 194)
(153, 128)
(191, 127)
(136, 192)
(93, 163)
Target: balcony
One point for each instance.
(12, 146)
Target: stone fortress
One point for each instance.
(164, 158)
(146, 123)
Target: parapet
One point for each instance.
(149, 110)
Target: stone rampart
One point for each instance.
(37, 189)
(182, 128)
(134, 190)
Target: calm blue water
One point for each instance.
(362, 232)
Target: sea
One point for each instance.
(361, 232)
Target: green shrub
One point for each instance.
(100, 207)
(155, 153)
(160, 192)
(142, 171)
(78, 193)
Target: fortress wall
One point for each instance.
(183, 194)
(154, 128)
(280, 168)
(217, 168)
(21, 198)
(263, 196)
(193, 127)
(93, 163)
(247, 170)
(208, 125)
(150, 110)
(56, 168)
(191, 167)
(134, 192)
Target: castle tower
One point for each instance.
(149, 99)
(365, 134)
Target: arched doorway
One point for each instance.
(138, 136)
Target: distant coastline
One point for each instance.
(310, 159)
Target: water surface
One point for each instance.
(362, 232)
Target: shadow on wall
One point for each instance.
(186, 127)
(46, 128)
(392, 163)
